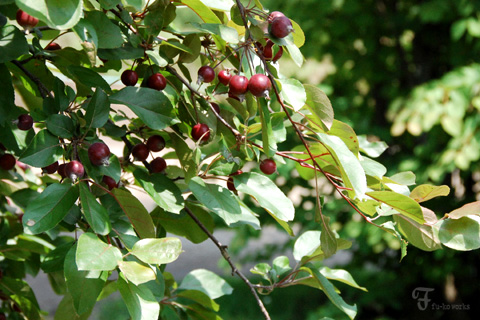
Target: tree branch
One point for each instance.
(44, 92)
(226, 256)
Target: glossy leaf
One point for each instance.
(162, 190)
(93, 254)
(202, 10)
(140, 301)
(472, 208)
(151, 106)
(12, 43)
(342, 276)
(461, 234)
(230, 35)
(135, 272)
(200, 298)
(223, 203)
(157, 251)
(60, 125)
(95, 214)
(42, 151)
(63, 15)
(50, 207)
(97, 110)
(306, 244)
(319, 105)
(421, 236)
(293, 92)
(403, 204)
(329, 290)
(269, 143)
(136, 213)
(83, 286)
(7, 98)
(371, 148)
(206, 282)
(109, 34)
(66, 310)
(85, 79)
(267, 194)
(22, 294)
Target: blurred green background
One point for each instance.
(406, 72)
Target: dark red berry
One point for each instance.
(206, 74)
(7, 161)
(273, 15)
(158, 165)
(231, 185)
(74, 169)
(129, 78)
(200, 130)
(25, 122)
(50, 169)
(259, 85)
(215, 106)
(238, 85)
(233, 96)
(109, 182)
(26, 20)
(52, 46)
(156, 143)
(224, 77)
(157, 81)
(281, 27)
(140, 152)
(3, 316)
(268, 166)
(99, 153)
(61, 170)
(268, 51)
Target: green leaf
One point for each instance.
(223, 203)
(140, 301)
(352, 172)
(426, 192)
(403, 204)
(136, 213)
(472, 208)
(151, 106)
(42, 151)
(20, 292)
(183, 225)
(49, 208)
(124, 52)
(83, 286)
(281, 265)
(229, 34)
(135, 272)
(329, 289)
(86, 78)
(93, 254)
(293, 92)
(198, 297)
(306, 244)
(62, 15)
(206, 282)
(95, 214)
(421, 236)
(267, 194)
(295, 53)
(319, 105)
(97, 110)
(202, 11)
(461, 234)
(109, 35)
(193, 42)
(371, 148)
(162, 190)
(342, 276)
(66, 310)
(12, 43)
(185, 155)
(328, 239)
(60, 125)
(269, 142)
(157, 251)
(55, 259)
(7, 98)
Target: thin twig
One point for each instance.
(226, 256)
(44, 92)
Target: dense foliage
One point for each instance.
(209, 125)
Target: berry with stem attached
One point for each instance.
(7, 161)
(74, 169)
(26, 20)
(140, 152)
(268, 166)
(280, 27)
(273, 15)
(201, 131)
(230, 184)
(99, 153)
(156, 143)
(259, 85)
(53, 46)
(158, 165)
(157, 81)
(24, 122)
(129, 77)
(206, 74)
(224, 77)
